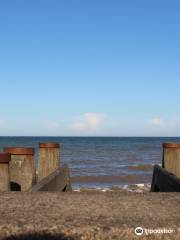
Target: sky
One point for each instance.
(89, 68)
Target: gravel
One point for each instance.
(87, 215)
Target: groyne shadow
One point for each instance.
(39, 236)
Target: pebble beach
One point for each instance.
(88, 215)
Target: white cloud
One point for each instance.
(89, 122)
(159, 122)
(165, 123)
(163, 126)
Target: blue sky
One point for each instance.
(96, 68)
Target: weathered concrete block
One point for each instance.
(21, 168)
(59, 180)
(5, 158)
(49, 159)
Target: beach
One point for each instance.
(110, 198)
(88, 215)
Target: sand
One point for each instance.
(88, 215)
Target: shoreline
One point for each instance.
(139, 187)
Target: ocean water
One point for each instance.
(102, 162)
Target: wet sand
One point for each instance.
(87, 215)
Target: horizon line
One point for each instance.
(86, 136)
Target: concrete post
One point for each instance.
(5, 158)
(171, 158)
(22, 167)
(49, 159)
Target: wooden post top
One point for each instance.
(49, 145)
(5, 158)
(171, 145)
(19, 150)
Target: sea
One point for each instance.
(102, 162)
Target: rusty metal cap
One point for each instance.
(49, 145)
(5, 158)
(171, 145)
(19, 150)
